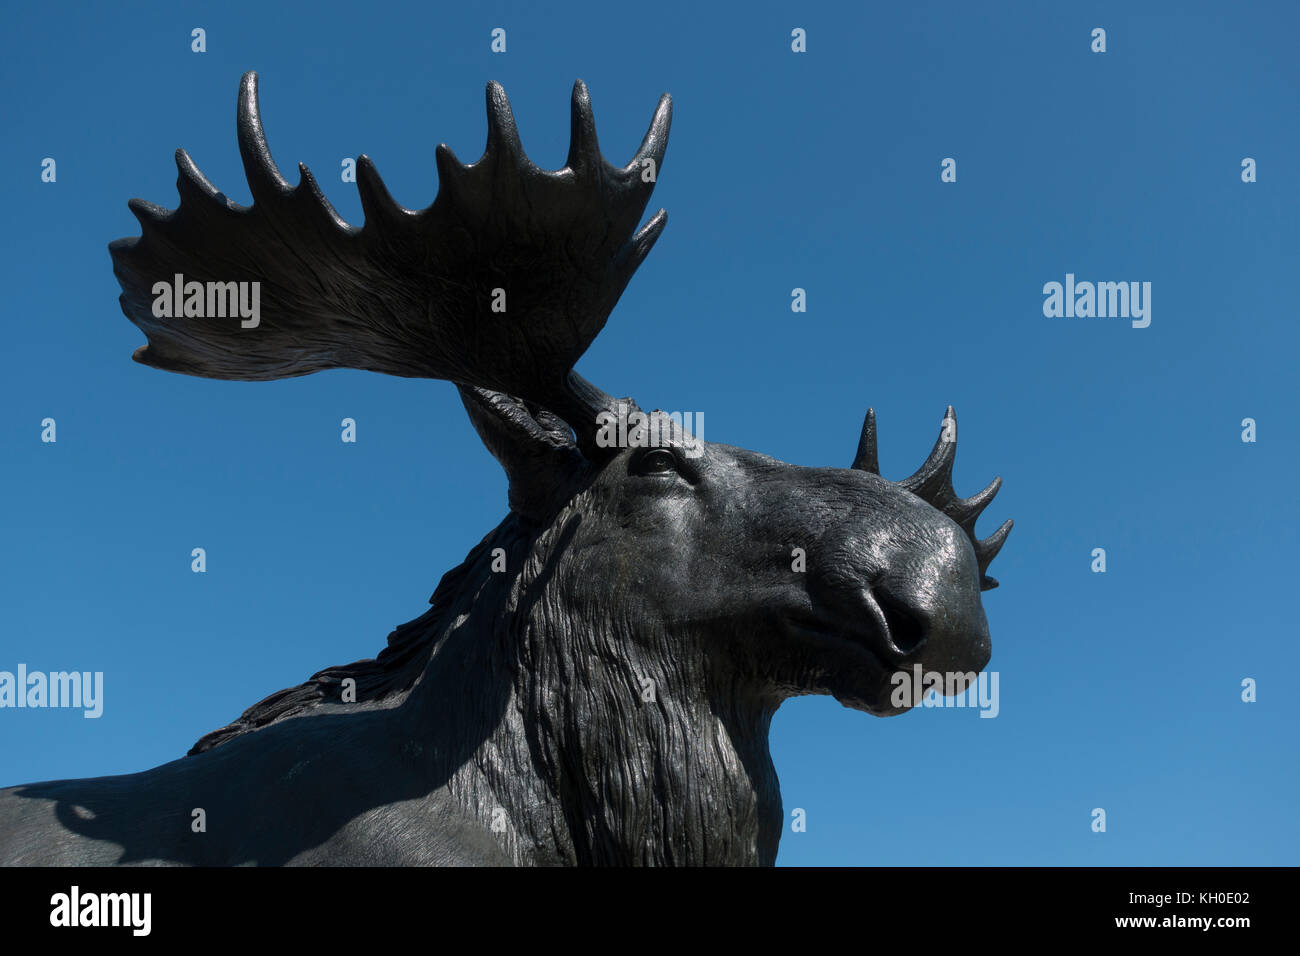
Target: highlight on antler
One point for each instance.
(932, 483)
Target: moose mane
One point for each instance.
(573, 687)
(390, 674)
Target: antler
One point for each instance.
(408, 293)
(932, 483)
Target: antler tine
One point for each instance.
(966, 511)
(867, 459)
(639, 246)
(987, 550)
(655, 141)
(933, 480)
(450, 170)
(377, 203)
(308, 195)
(503, 146)
(193, 187)
(264, 179)
(584, 149)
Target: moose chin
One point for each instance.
(595, 682)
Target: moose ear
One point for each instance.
(535, 447)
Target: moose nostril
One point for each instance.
(907, 630)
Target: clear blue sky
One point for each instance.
(818, 170)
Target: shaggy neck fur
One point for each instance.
(575, 736)
(599, 742)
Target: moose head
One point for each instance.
(595, 683)
(777, 578)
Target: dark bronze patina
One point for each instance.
(595, 682)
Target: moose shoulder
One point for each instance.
(604, 699)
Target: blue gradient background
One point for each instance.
(1118, 690)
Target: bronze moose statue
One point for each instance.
(510, 724)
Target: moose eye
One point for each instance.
(657, 461)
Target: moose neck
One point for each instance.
(598, 741)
